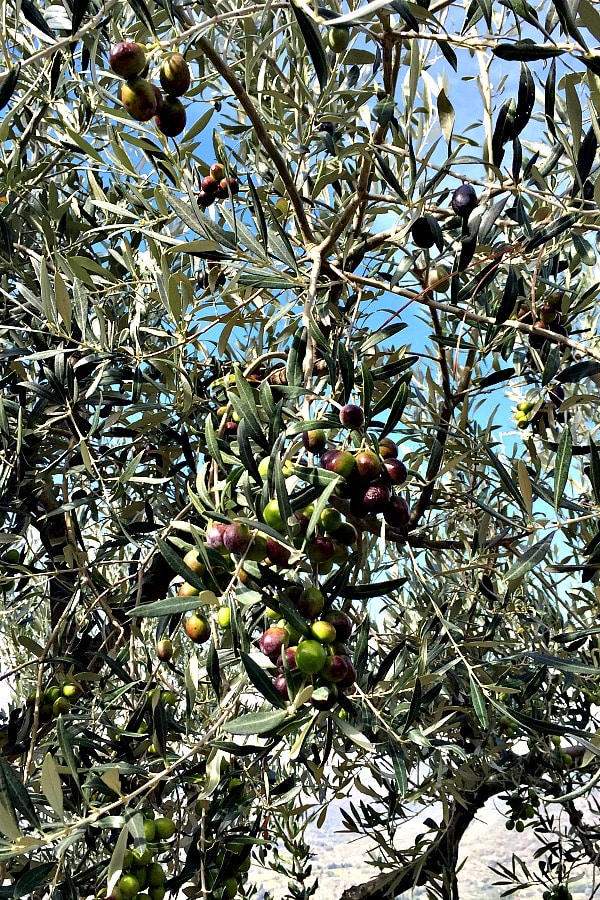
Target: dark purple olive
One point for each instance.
(236, 538)
(376, 498)
(537, 341)
(328, 127)
(349, 678)
(335, 668)
(277, 553)
(209, 184)
(205, 199)
(352, 416)
(422, 233)
(556, 394)
(320, 549)
(397, 512)
(272, 641)
(341, 622)
(280, 685)
(396, 470)
(290, 655)
(464, 200)
(171, 118)
(127, 59)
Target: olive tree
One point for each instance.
(298, 424)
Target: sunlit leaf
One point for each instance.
(257, 723)
(51, 785)
(531, 558)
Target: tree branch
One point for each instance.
(425, 298)
(262, 134)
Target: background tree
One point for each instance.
(223, 598)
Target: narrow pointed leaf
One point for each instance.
(595, 470)
(35, 17)
(509, 483)
(51, 786)
(257, 723)
(478, 701)
(8, 84)
(579, 371)
(64, 742)
(550, 97)
(351, 732)
(509, 297)
(548, 233)
(567, 20)
(346, 363)
(17, 792)
(530, 559)
(415, 706)
(261, 681)
(399, 765)
(259, 215)
(142, 12)
(563, 458)
(388, 174)
(368, 591)
(79, 9)
(449, 54)
(314, 45)
(396, 409)
(362, 645)
(32, 879)
(446, 115)
(525, 99)
(403, 10)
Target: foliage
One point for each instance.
(158, 347)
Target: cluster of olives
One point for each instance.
(310, 650)
(537, 414)
(216, 186)
(57, 699)
(307, 630)
(524, 407)
(144, 100)
(561, 759)
(142, 876)
(370, 474)
(329, 545)
(546, 316)
(521, 808)
(464, 201)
